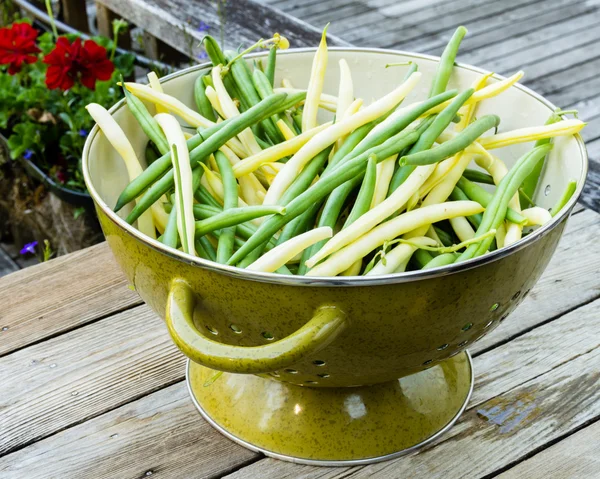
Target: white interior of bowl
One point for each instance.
(518, 107)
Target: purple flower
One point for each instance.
(28, 154)
(83, 133)
(29, 248)
(202, 55)
(203, 26)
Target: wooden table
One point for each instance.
(93, 387)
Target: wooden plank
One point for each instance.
(175, 22)
(499, 28)
(61, 294)
(564, 29)
(66, 380)
(591, 190)
(442, 18)
(404, 26)
(342, 11)
(575, 457)
(343, 26)
(105, 17)
(160, 435)
(541, 391)
(569, 270)
(588, 68)
(586, 90)
(168, 415)
(74, 13)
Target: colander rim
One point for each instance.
(337, 281)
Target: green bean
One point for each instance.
(297, 117)
(147, 122)
(197, 155)
(483, 197)
(235, 216)
(444, 237)
(243, 79)
(396, 125)
(422, 258)
(207, 247)
(264, 89)
(478, 176)
(564, 199)
(427, 139)
(444, 69)
(441, 260)
(322, 188)
(459, 195)
(150, 154)
(333, 208)
(271, 62)
(202, 101)
(170, 235)
(365, 194)
(298, 224)
(203, 196)
(454, 145)
(230, 200)
(300, 184)
(496, 210)
(217, 57)
(200, 250)
(530, 183)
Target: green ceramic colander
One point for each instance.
(350, 369)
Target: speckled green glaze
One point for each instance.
(333, 424)
(391, 330)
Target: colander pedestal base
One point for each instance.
(334, 426)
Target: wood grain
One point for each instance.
(78, 375)
(575, 457)
(176, 22)
(569, 270)
(545, 386)
(59, 295)
(160, 435)
(168, 413)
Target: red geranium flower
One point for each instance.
(71, 61)
(17, 46)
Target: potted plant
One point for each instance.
(46, 80)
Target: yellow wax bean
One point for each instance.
(280, 255)
(399, 255)
(327, 102)
(170, 103)
(442, 169)
(250, 187)
(462, 228)
(213, 98)
(177, 107)
(315, 85)
(353, 270)
(327, 137)
(385, 171)
(500, 235)
(468, 111)
(536, 216)
(345, 94)
(285, 130)
(534, 133)
(184, 193)
(276, 152)
(487, 92)
(156, 86)
(230, 110)
(117, 138)
(389, 230)
(373, 217)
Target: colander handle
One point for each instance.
(317, 333)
